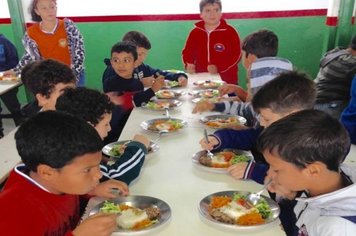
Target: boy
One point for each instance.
(348, 116)
(213, 45)
(123, 90)
(96, 108)
(60, 167)
(47, 80)
(259, 51)
(8, 60)
(333, 82)
(287, 93)
(144, 72)
(305, 151)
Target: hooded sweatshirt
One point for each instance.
(329, 214)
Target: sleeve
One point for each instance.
(31, 53)
(143, 97)
(11, 56)
(128, 166)
(243, 109)
(330, 226)
(256, 171)
(233, 55)
(237, 139)
(188, 53)
(77, 47)
(172, 76)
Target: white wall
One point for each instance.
(142, 7)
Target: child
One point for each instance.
(333, 82)
(348, 116)
(305, 151)
(259, 50)
(61, 156)
(53, 38)
(96, 108)
(144, 72)
(47, 80)
(287, 93)
(8, 60)
(213, 45)
(123, 90)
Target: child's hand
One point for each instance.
(237, 171)
(142, 139)
(157, 84)
(190, 68)
(147, 81)
(208, 146)
(100, 224)
(203, 106)
(182, 81)
(105, 189)
(212, 69)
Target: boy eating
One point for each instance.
(304, 151)
(60, 168)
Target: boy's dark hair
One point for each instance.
(305, 137)
(287, 92)
(353, 43)
(262, 43)
(203, 3)
(40, 77)
(55, 139)
(34, 15)
(138, 38)
(87, 104)
(124, 46)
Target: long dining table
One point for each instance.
(170, 175)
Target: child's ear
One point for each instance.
(46, 172)
(314, 169)
(41, 99)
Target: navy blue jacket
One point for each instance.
(8, 54)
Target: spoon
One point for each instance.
(163, 131)
(209, 154)
(166, 108)
(254, 198)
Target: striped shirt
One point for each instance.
(265, 69)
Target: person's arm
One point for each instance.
(188, 53)
(11, 56)
(128, 166)
(76, 47)
(31, 53)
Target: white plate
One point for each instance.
(206, 93)
(197, 164)
(209, 84)
(168, 94)
(204, 212)
(205, 119)
(106, 149)
(147, 125)
(172, 104)
(140, 202)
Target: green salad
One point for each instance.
(110, 207)
(117, 150)
(262, 206)
(173, 84)
(239, 158)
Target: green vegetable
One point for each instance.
(175, 123)
(173, 83)
(116, 150)
(239, 158)
(110, 207)
(151, 105)
(263, 208)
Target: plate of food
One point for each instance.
(222, 121)
(116, 149)
(135, 214)
(221, 160)
(207, 93)
(232, 210)
(160, 124)
(168, 84)
(168, 94)
(8, 79)
(160, 105)
(209, 84)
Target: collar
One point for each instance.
(22, 170)
(49, 32)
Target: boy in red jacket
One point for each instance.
(212, 46)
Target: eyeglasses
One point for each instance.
(124, 61)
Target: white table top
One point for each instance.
(8, 85)
(170, 175)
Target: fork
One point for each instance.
(209, 154)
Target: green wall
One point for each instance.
(301, 41)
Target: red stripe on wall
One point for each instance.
(182, 17)
(5, 21)
(331, 21)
